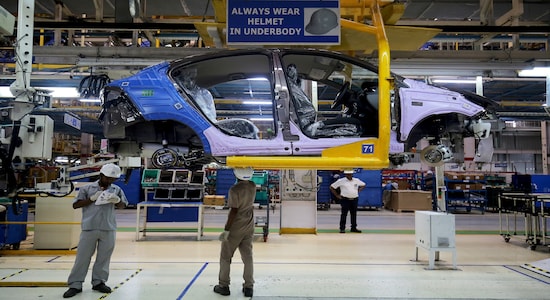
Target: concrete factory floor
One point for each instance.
(379, 263)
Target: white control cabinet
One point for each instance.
(435, 232)
(36, 136)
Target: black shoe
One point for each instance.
(355, 230)
(342, 231)
(248, 292)
(222, 290)
(102, 288)
(71, 292)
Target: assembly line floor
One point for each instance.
(379, 263)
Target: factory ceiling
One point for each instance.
(457, 39)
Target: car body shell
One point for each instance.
(152, 108)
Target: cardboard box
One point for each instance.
(214, 200)
(473, 176)
(410, 200)
(453, 176)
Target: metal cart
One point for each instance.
(261, 179)
(263, 222)
(533, 207)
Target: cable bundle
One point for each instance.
(91, 86)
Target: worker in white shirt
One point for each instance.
(349, 187)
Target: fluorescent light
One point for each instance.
(472, 81)
(55, 92)
(63, 92)
(61, 159)
(257, 102)
(91, 100)
(5, 92)
(535, 72)
(262, 119)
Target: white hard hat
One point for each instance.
(348, 172)
(110, 170)
(243, 173)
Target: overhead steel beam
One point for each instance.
(115, 26)
(461, 27)
(470, 26)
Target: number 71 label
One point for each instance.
(367, 148)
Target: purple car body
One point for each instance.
(254, 102)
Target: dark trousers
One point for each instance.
(350, 205)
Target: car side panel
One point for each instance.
(420, 101)
(156, 98)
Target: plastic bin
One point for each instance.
(261, 197)
(162, 194)
(259, 178)
(181, 177)
(150, 178)
(166, 177)
(178, 195)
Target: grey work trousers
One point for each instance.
(244, 243)
(104, 241)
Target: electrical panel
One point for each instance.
(36, 134)
(299, 185)
(434, 229)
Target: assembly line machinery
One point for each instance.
(28, 139)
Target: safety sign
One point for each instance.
(265, 22)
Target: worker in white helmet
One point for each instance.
(347, 190)
(98, 201)
(238, 232)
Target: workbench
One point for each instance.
(167, 206)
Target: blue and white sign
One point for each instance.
(265, 22)
(71, 120)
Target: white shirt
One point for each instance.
(348, 188)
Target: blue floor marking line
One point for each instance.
(192, 281)
(527, 275)
(53, 259)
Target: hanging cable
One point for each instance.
(91, 85)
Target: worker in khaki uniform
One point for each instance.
(238, 232)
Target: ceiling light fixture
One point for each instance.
(5, 92)
(472, 81)
(55, 92)
(90, 100)
(63, 92)
(535, 72)
(262, 119)
(251, 102)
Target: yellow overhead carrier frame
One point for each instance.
(345, 156)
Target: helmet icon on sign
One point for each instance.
(322, 21)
